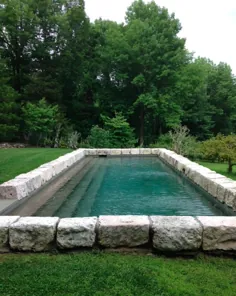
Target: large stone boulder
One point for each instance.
(175, 234)
(76, 232)
(115, 151)
(35, 234)
(219, 233)
(14, 189)
(123, 231)
(5, 222)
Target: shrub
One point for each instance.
(120, 132)
(73, 139)
(221, 148)
(164, 141)
(98, 138)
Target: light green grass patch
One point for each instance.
(88, 274)
(18, 161)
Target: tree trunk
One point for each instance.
(230, 166)
(141, 136)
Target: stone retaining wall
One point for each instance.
(158, 233)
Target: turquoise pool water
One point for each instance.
(129, 185)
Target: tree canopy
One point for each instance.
(138, 74)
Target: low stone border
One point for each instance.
(159, 233)
(219, 186)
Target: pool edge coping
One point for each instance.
(219, 186)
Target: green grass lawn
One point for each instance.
(17, 161)
(220, 168)
(89, 274)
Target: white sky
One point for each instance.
(208, 25)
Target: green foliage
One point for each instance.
(9, 109)
(106, 274)
(15, 161)
(141, 69)
(40, 119)
(164, 141)
(99, 138)
(221, 148)
(121, 134)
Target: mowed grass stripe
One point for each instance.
(17, 161)
(106, 274)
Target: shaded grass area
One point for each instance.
(17, 161)
(88, 274)
(221, 168)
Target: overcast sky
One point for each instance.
(208, 25)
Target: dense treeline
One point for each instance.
(61, 74)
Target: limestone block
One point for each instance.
(182, 164)
(46, 173)
(123, 231)
(175, 234)
(78, 154)
(103, 152)
(125, 151)
(219, 233)
(35, 234)
(32, 179)
(76, 232)
(155, 151)
(115, 151)
(216, 186)
(134, 151)
(59, 165)
(206, 179)
(91, 152)
(230, 198)
(145, 151)
(14, 189)
(224, 187)
(5, 222)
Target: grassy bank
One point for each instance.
(220, 168)
(17, 161)
(89, 274)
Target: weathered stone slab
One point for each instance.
(207, 179)
(155, 151)
(76, 232)
(14, 189)
(134, 151)
(35, 234)
(103, 152)
(219, 233)
(32, 179)
(46, 173)
(224, 186)
(230, 198)
(125, 151)
(123, 231)
(115, 151)
(91, 152)
(145, 151)
(175, 234)
(5, 222)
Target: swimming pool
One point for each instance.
(135, 185)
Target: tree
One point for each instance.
(157, 55)
(40, 119)
(99, 138)
(221, 148)
(9, 117)
(121, 134)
